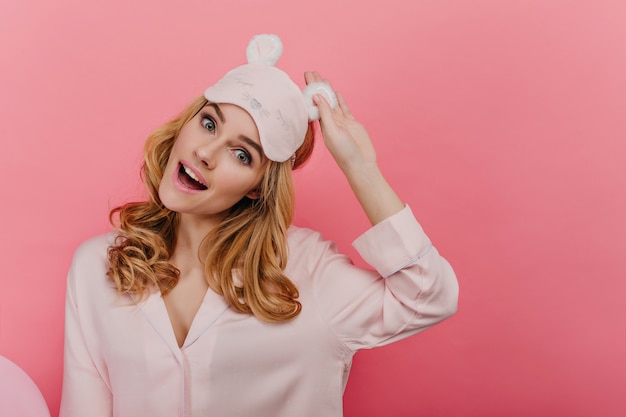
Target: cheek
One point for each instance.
(176, 146)
(170, 167)
(175, 154)
(240, 182)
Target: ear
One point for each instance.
(254, 194)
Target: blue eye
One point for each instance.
(242, 156)
(208, 123)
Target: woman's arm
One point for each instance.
(413, 287)
(351, 147)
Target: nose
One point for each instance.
(206, 153)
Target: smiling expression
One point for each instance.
(215, 161)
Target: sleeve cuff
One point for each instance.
(394, 243)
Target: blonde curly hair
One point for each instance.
(251, 241)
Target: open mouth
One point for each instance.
(189, 179)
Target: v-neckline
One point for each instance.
(211, 309)
(182, 310)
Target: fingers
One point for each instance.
(312, 77)
(330, 120)
(342, 108)
(343, 105)
(315, 77)
(323, 106)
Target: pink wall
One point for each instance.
(502, 123)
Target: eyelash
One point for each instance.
(204, 117)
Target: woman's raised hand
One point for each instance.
(351, 147)
(346, 139)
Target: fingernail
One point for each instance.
(316, 98)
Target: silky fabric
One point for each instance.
(122, 358)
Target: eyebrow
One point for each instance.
(218, 111)
(253, 144)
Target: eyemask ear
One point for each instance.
(322, 89)
(264, 49)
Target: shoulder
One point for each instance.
(94, 248)
(88, 285)
(301, 239)
(91, 263)
(308, 250)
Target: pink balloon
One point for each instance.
(19, 396)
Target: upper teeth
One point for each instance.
(191, 174)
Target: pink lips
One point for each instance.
(182, 186)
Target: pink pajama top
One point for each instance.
(122, 358)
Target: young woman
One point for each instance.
(207, 302)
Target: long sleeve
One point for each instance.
(85, 392)
(412, 288)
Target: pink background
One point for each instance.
(502, 123)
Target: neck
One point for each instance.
(190, 233)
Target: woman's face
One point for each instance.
(216, 160)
